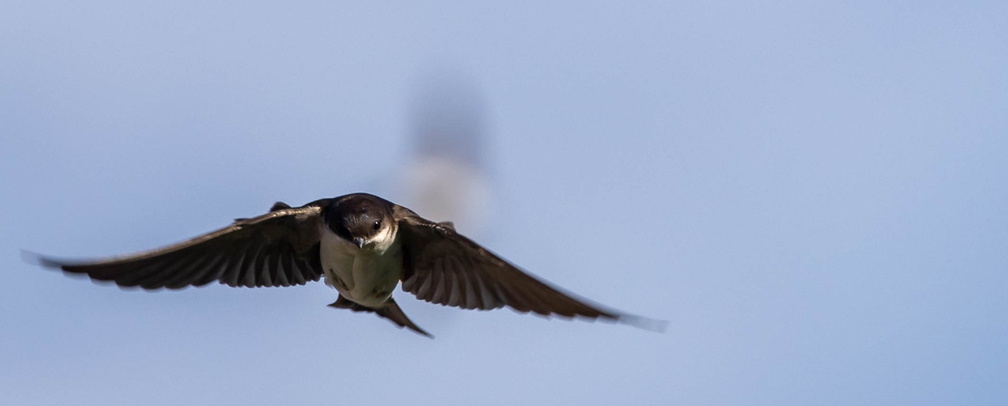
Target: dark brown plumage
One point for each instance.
(282, 248)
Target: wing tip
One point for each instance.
(633, 320)
(643, 323)
(34, 258)
(67, 267)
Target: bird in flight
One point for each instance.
(363, 246)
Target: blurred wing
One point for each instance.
(442, 266)
(280, 248)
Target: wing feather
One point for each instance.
(280, 248)
(449, 269)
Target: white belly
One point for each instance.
(366, 276)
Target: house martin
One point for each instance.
(361, 245)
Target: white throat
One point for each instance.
(382, 241)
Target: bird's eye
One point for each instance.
(377, 225)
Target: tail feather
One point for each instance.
(390, 310)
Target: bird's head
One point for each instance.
(362, 219)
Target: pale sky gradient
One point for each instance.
(815, 196)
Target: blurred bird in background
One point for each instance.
(447, 177)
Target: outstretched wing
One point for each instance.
(280, 248)
(442, 266)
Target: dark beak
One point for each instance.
(359, 241)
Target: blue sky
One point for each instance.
(813, 195)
